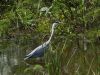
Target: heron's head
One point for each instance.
(56, 23)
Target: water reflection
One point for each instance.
(5, 69)
(12, 52)
(10, 57)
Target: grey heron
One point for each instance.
(40, 50)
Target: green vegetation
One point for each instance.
(75, 47)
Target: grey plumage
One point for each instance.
(40, 50)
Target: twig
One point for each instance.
(71, 58)
(90, 67)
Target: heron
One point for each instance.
(40, 50)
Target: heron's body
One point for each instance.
(40, 50)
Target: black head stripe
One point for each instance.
(57, 21)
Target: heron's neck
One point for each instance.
(51, 33)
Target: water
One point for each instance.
(12, 53)
(11, 56)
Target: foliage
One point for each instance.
(75, 43)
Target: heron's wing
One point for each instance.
(38, 50)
